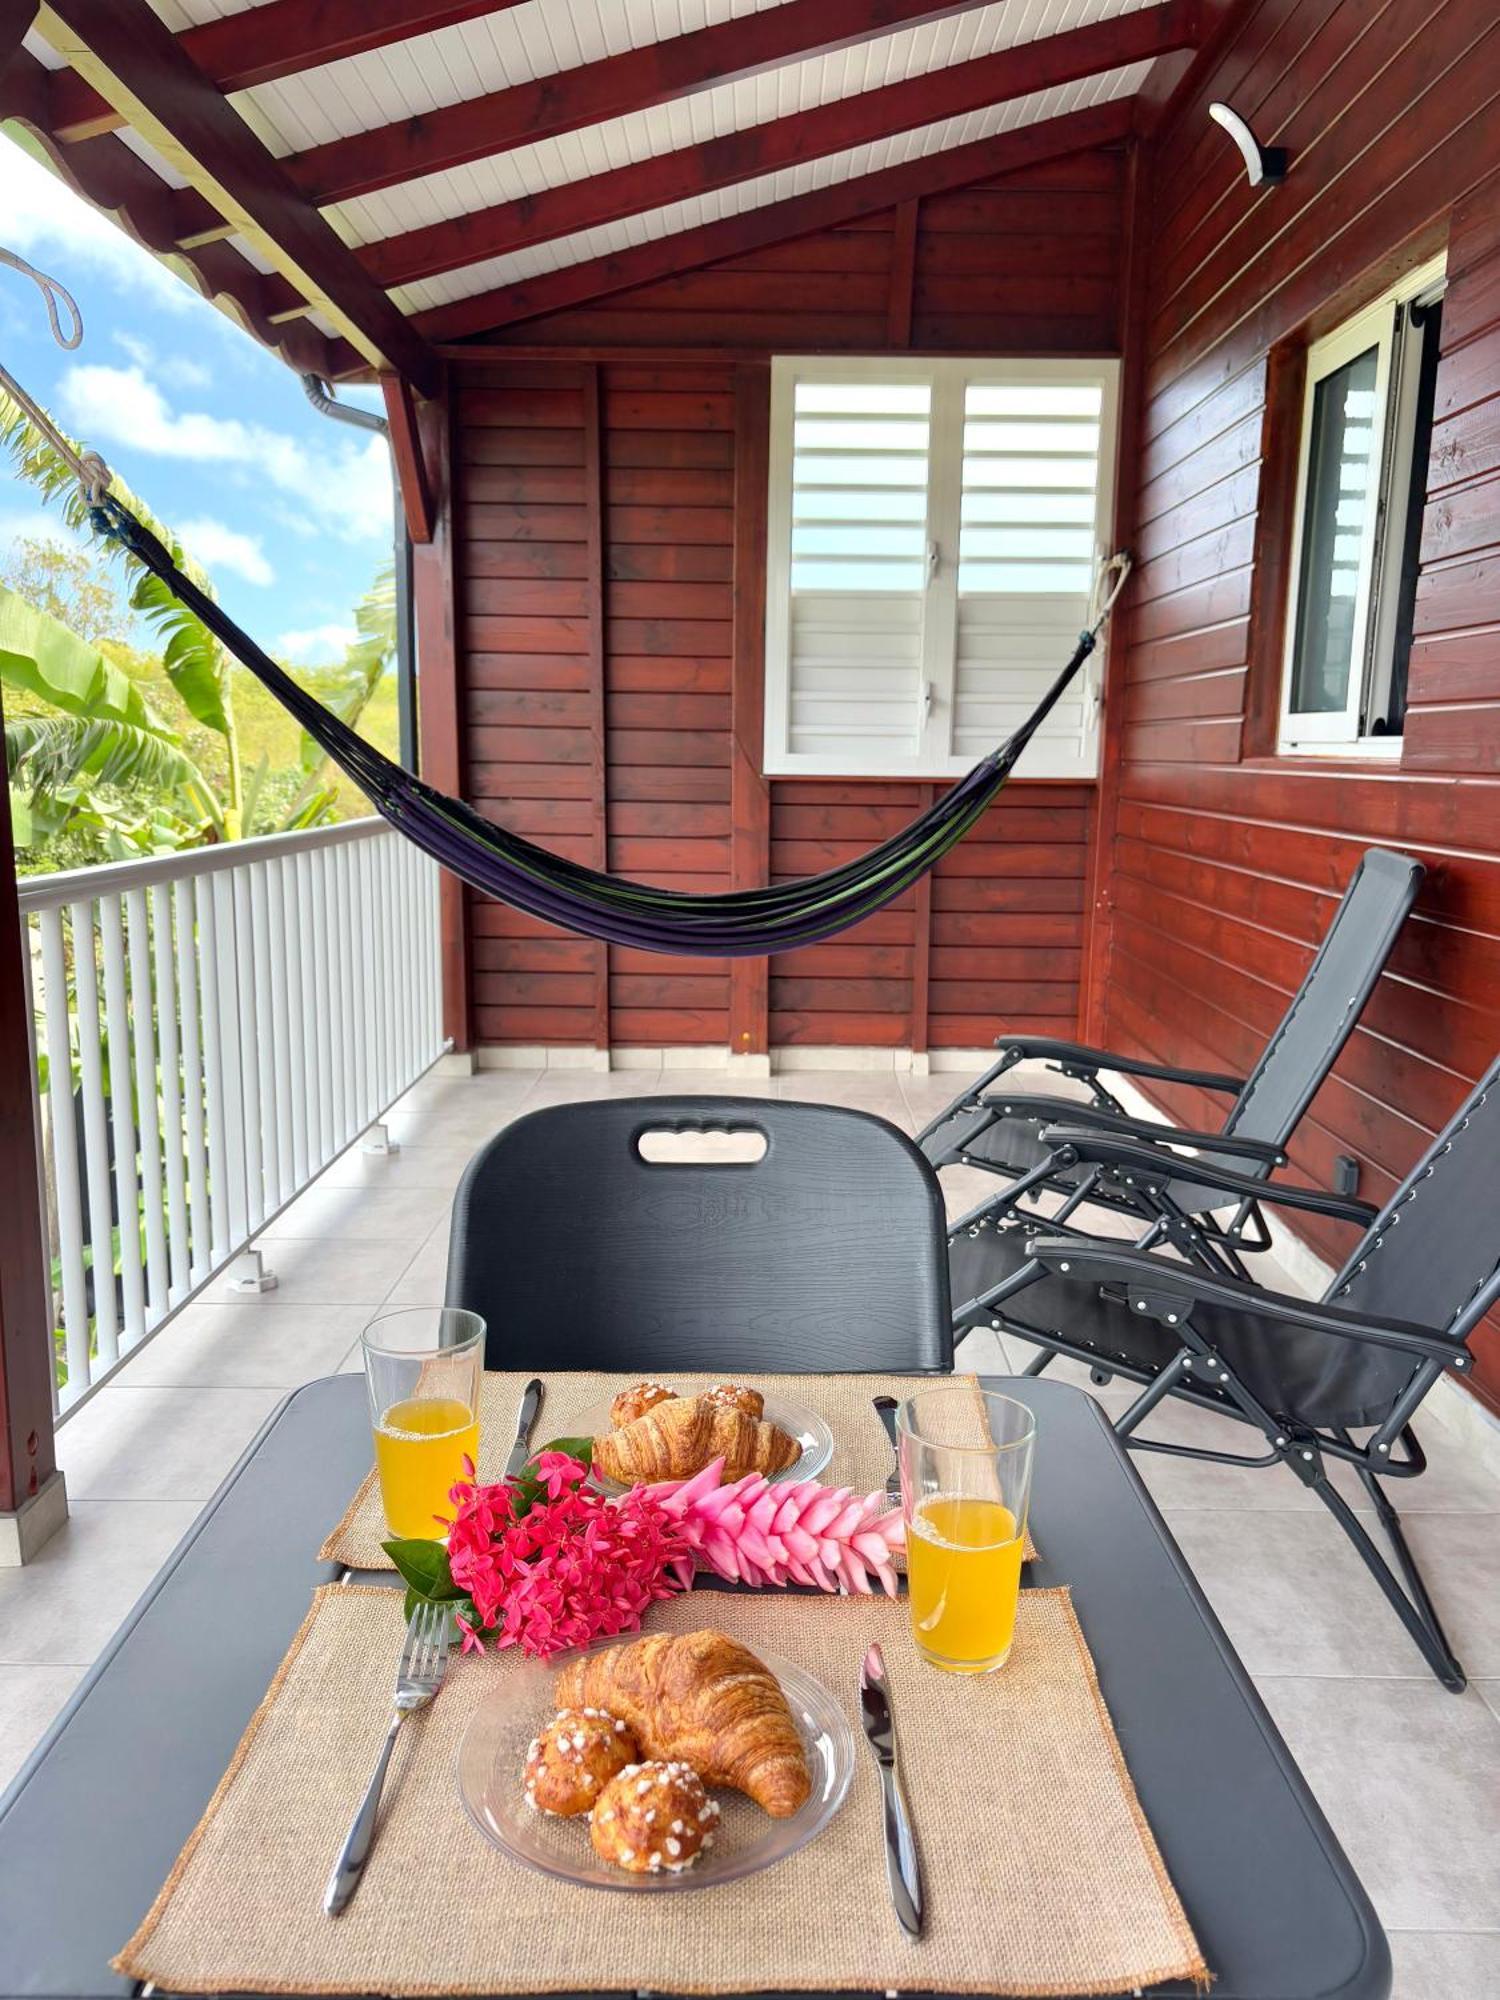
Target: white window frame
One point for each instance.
(934, 694)
(1381, 325)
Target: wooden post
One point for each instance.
(749, 792)
(593, 511)
(439, 702)
(27, 1457)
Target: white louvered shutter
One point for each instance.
(1027, 546)
(859, 536)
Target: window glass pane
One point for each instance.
(1338, 513)
(859, 486)
(1030, 483)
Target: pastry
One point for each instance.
(704, 1699)
(653, 1818)
(574, 1759)
(735, 1396)
(679, 1438)
(634, 1402)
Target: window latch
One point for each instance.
(924, 702)
(934, 558)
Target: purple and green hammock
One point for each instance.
(742, 923)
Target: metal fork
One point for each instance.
(424, 1661)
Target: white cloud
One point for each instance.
(316, 645)
(218, 546)
(346, 486)
(32, 524)
(178, 369)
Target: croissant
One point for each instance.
(676, 1439)
(703, 1698)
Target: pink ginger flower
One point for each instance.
(798, 1532)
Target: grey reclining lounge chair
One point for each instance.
(989, 1126)
(825, 1253)
(1306, 1375)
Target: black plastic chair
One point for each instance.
(1004, 1130)
(826, 1253)
(1305, 1374)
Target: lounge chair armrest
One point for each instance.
(1078, 1059)
(1147, 1131)
(1099, 1149)
(1166, 1278)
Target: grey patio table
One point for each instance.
(93, 1822)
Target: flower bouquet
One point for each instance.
(547, 1561)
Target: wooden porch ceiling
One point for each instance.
(259, 150)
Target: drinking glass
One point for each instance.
(965, 1489)
(422, 1368)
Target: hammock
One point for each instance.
(745, 923)
(742, 923)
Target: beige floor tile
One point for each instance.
(62, 1607)
(875, 1091)
(1295, 1598)
(425, 1278)
(1489, 1692)
(143, 1443)
(313, 1270)
(716, 1083)
(29, 1698)
(1409, 1775)
(587, 1086)
(237, 1343)
(410, 1166)
(1445, 1965)
(1459, 1554)
(361, 1215)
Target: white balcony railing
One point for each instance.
(213, 1028)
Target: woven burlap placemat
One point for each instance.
(1040, 1873)
(861, 1451)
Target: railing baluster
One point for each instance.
(122, 1119)
(364, 996)
(307, 1006)
(147, 1104)
(296, 1046)
(231, 1053)
(95, 1134)
(219, 1207)
(65, 1190)
(251, 1101)
(338, 923)
(323, 1007)
(274, 1031)
(168, 1014)
(194, 1109)
(267, 1190)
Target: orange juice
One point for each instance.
(963, 1577)
(420, 1446)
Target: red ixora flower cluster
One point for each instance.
(573, 1568)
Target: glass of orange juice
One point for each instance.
(422, 1367)
(965, 1490)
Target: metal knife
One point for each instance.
(901, 1867)
(520, 1451)
(886, 1408)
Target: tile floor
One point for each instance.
(1409, 1774)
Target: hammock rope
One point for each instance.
(739, 923)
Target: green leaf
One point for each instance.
(191, 656)
(40, 656)
(424, 1565)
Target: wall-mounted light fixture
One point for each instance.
(1264, 165)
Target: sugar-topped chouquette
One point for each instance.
(574, 1758)
(654, 1818)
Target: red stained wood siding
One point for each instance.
(1223, 861)
(997, 941)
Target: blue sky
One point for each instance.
(288, 512)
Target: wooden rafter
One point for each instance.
(124, 50)
(780, 142)
(826, 208)
(411, 465)
(271, 41)
(657, 73)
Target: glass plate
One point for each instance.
(493, 1750)
(805, 1425)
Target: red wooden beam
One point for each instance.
(406, 449)
(16, 17)
(825, 208)
(903, 275)
(659, 73)
(128, 53)
(107, 174)
(27, 1459)
(779, 142)
(272, 41)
